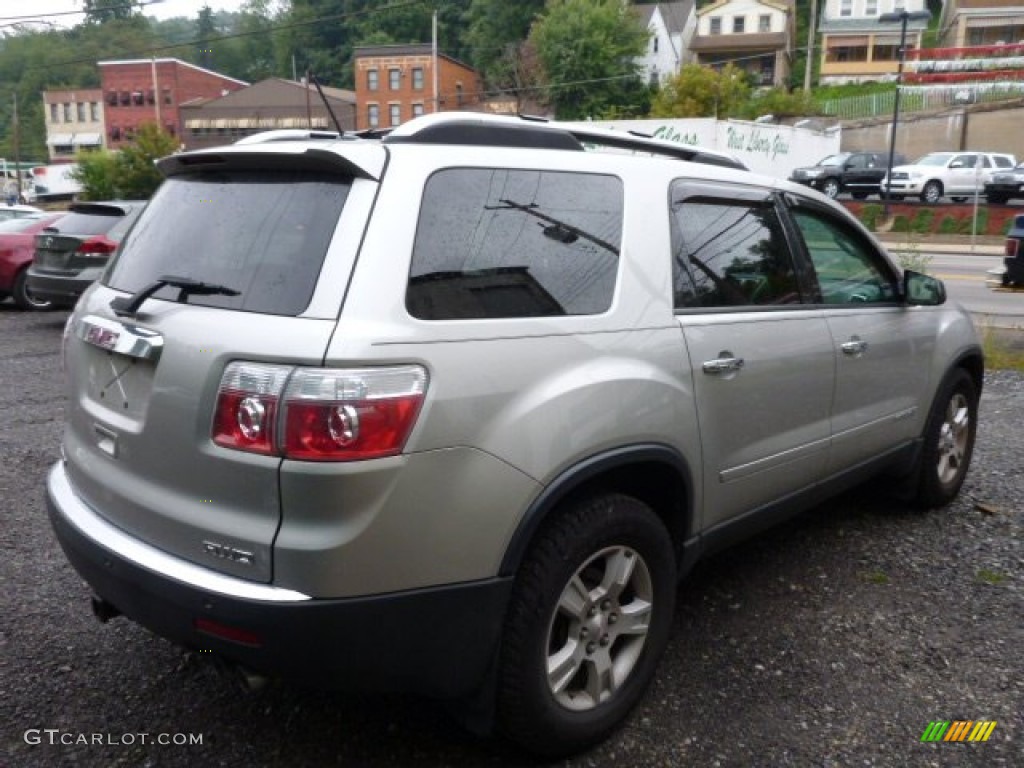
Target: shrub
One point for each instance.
(869, 216)
(923, 221)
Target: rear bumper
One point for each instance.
(60, 289)
(439, 641)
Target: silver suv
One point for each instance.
(452, 411)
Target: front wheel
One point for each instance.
(830, 188)
(948, 441)
(997, 199)
(932, 192)
(588, 619)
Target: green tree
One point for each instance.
(102, 11)
(494, 31)
(137, 175)
(698, 91)
(97, 173)
(588, 50)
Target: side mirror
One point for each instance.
(923, 290)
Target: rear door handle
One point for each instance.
(726, 363)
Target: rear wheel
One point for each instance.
(859, 195)
(948, 441)
(959, 199)
(932, 192)
(830, 188)
(23, 296)
(996, 199)
(588, 619)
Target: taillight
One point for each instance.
(329, 414)
(347, 415)
(1011, 247)
(96, 248)
(247, 406)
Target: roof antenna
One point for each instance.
(341, 131)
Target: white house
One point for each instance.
(671, 26)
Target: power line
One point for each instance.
(122, 6)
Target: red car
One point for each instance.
(17, 244)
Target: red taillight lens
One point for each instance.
(225, 632)
(247, 407)
(330, 414)
(1011, 247)
(349, 415)
(97, 248)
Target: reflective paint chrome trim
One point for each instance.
(105, 535)
(124, 339)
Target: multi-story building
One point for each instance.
(755, 35)
(981, 22)
(395, 83)
(152, 90)
(856, 47)
(264, 106)
(74, 120)
(671, 27)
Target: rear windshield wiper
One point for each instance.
(129, 305)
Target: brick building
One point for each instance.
(152, 90)
(74, 120)
(395, 83)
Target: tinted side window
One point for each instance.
(728, 253)
(511, 243)
(847, 267)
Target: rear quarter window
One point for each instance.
(262, 233)
(495, 243)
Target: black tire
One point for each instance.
(23, 298)
(831, 188)
(932, 192)
(859, 195)
(997, 199)
(959, 199)
(948, 442)
(584, 544)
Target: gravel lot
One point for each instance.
(831, 641)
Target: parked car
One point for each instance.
(1013, 276)
(17, 238)
(17, 211)
(957, 175)
(71, 254)
(452, 411)
(858, 173)
(1005, 185)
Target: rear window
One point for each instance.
(262, 233)
(497, 243)
(76, 223)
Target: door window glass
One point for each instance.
(847, 268)
(728, 253)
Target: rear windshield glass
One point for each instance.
(87, 223)
(261, 233)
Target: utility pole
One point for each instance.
(17, 147)
(810, 47)
(433, 48)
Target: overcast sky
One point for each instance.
(163, 10)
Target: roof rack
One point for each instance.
(471, 128)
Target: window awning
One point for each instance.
(87, 139)
(57, 139)
(997, 21)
